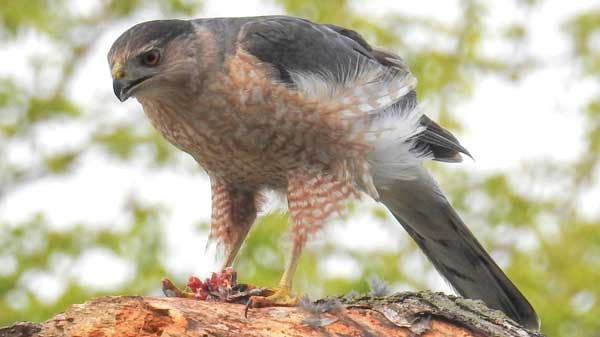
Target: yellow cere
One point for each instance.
(117, 71)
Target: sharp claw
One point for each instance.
(247, 307)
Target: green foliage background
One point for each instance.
(560, 274)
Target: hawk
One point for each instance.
(311, 111)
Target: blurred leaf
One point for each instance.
(61, 162)
(38, 14)
(515, 32)
(46, 108)
(585, 31)
(123, 140)
(120, 140)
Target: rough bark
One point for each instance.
(405, 314)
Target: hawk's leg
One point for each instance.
(233, 213)
(313, 196)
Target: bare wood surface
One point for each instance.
(406, 314)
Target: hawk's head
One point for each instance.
(150, 55)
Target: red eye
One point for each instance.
(151, 58)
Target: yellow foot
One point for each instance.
(272, 297)
(171, 290)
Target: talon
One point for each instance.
(247, 306)
(273, 297)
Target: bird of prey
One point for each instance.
(311, 111)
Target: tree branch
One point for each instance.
(405, 314)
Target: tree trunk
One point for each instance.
(405, 314)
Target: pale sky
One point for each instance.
(506, 124)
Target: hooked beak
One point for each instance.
(123, 87)
(120, 90)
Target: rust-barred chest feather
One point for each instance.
(244, 128)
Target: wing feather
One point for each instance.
(331, 62)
